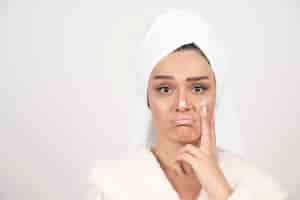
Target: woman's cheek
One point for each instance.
(209, 102)
(162, 103)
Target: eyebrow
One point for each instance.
(195, 78)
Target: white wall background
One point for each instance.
(66, 89)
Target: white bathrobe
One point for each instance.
(139, 177)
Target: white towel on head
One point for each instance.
(170, 30)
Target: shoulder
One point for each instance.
(238, 168)
(119, 178)
(246, 175)
(106, 172)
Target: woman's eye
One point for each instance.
(199, 89)
(164, 89)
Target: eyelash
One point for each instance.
(204, 88)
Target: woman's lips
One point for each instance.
(188, 121)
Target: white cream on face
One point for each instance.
(182, 104)
(206, 101)
(205, 105)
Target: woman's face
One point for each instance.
(179, 84)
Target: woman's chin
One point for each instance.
(187, 141)
(186, 136)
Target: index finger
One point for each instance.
(206, 137)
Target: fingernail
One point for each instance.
(204, 110)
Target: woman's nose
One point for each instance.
(182, 103)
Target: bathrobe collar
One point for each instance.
(139, 176)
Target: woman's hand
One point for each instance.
(203, 160)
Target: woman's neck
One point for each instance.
(187, 186)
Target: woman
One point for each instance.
(183, 67)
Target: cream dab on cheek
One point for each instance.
(205, 104)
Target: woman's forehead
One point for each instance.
(183, 64)
(182, 78)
